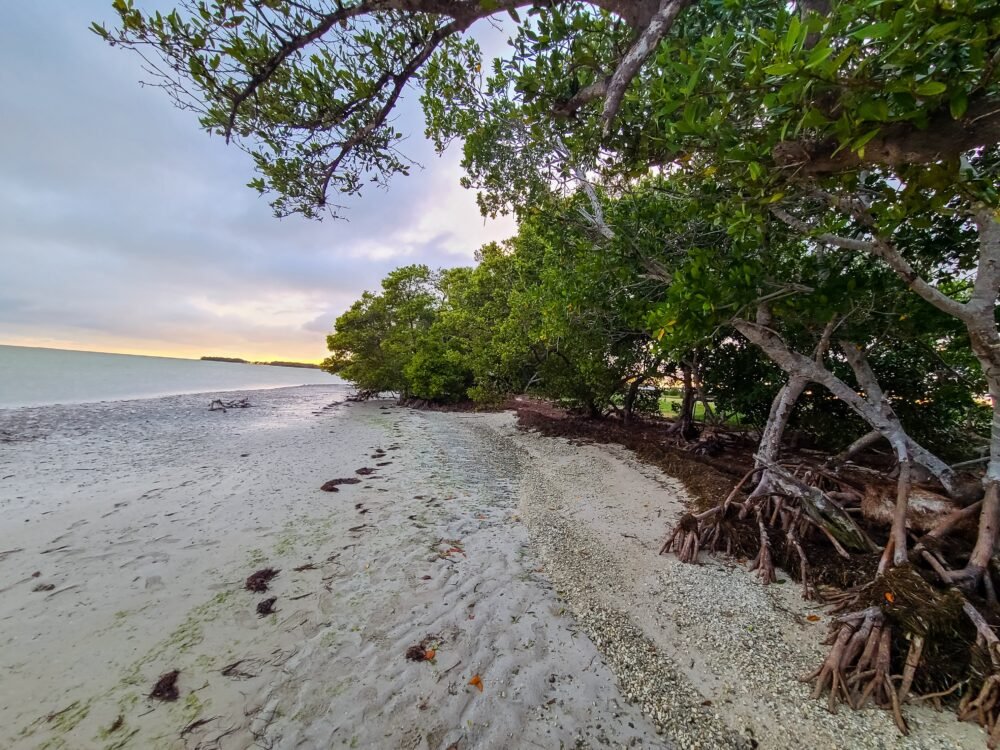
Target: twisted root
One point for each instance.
(984, 708)
(984, 705)
(763, 563)
(809, 591)
(684, 540)
(858, 666)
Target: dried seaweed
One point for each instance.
(165, 688)
(333, 484)
(259, 580)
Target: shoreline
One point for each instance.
(172, 394)
(524, 560)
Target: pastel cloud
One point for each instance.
(123, 227)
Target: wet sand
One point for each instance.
(129, 528)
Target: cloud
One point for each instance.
(124, 227)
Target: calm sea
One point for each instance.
(36, 377)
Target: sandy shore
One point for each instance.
(127, 530)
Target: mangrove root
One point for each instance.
(763, 563)
(684, 539)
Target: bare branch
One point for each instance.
(803, 227)
(880, 248)
(596, 90)
(798, 365)
(289, 48)
(643, 47)
(596, 214)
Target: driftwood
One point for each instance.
(219, 404)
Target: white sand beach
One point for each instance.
(526, 564)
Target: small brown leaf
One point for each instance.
(813, 618)
(477, 682)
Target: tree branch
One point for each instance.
(399, 81)
(643, 47)
(887, 252)
(596, 214)
(944, 138)
(289, 48)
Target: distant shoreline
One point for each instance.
(40, 377)
(239, 361)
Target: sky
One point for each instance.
(126, 228)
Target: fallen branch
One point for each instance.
(220, 405)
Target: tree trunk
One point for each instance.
(795, 364)
(700, 395)
(628, 406)
(986, 345)
(781, 411)
(684, 425)
(900, 445)
(782, 407)
(895, 550)
(593, 410)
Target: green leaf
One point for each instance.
(875, 31)
(873, 109)
(780, 69)
(931, 88)
(861, 142)
(818, 55)
(792, 35)
(959, 104)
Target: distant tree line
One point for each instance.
(276, 363)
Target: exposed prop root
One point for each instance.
(985, 637)
(968, 579)
(983, 707)
(684, 540)
(897, 636)
(910, 668)
(839, 670)
(763, 563)
(858, 666)
(809, 592)
(909, 626)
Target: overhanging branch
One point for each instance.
(944, 138)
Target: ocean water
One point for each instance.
(37, 377)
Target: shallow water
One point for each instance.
(32, 376)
